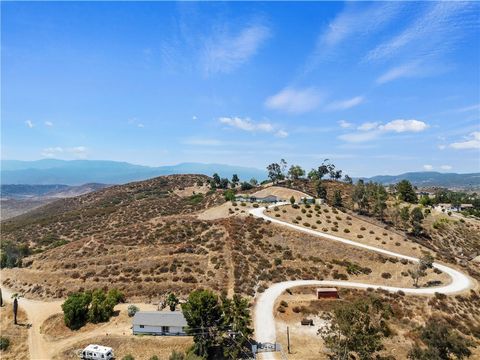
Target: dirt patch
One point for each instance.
(281, 192)
(140, 347)
(191, 190)
(17, 334)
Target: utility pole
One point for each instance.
(288, 340)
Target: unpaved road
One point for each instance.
(38, 311)
(264, 322)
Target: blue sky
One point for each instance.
(378, 88)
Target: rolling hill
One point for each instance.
(431, 178)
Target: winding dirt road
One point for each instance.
(264, 322)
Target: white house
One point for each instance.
(97, 352)
(159, 323)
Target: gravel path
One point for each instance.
(264, 322)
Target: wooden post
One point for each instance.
(288, 340)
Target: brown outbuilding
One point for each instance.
(327, 293)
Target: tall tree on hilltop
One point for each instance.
(406, 192)
(295, 172)
(235, 180)
(274, 172)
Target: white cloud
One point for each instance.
(281, 134)
(446, 167)
(246, 124)
(372, 130)
(428, 167)
(295, 100)
(346, 104)
(401, 125)
(194, 117)
(225, 52)
(134, 121)
(29, 123)
(345, 124)
(79, 152)
(471, 142)
(140, 125)
(48, 123)
(368, 126)
(442, 147)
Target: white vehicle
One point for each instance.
(97, 352)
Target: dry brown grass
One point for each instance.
(17, 334)
(140, 347)
(409, 313)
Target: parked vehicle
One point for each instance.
(97, 352)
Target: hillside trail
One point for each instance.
(38, 311)
(264, 321)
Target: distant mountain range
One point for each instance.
(431, 178)
(77, 172)
(23, 191)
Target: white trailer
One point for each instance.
(97, 352)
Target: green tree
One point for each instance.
(172, 301)
(337, 198)
(356, 330)
(442, 343)
(229, 195)
(416, 218)
(321, 190)
(216, 179)
(416, 273)
(380, 197)
(101, 307)
(425, 200)
(292, 200)
(313, 175)
(348, 179)
(275, 172)
(235, 180)
(253, 182)
(75, 310)
(406, 192)
(246, 186)
(405, 214)
(203, 313)
(360, 197)
(295, 172)
(236, 318)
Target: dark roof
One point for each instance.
(159, 318)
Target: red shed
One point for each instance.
(327, 293)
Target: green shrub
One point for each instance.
(128, 357)
(132, 310)
(4, 343)
(346, 231)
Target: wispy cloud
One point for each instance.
(472, 141)
(371, 130)
(354, 21)
(78, 152)
(346, 104)
(446, 167)
(469, 108)
(296, 101)
(135, 122)
(435, 31)
(345, 124)
(405, 70)
(246, 124)
(48, 123)
(226, 51)
(29, 124)
(428, 167)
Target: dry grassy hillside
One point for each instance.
(147, 238)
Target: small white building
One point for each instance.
(97, 352)
(159, 323)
